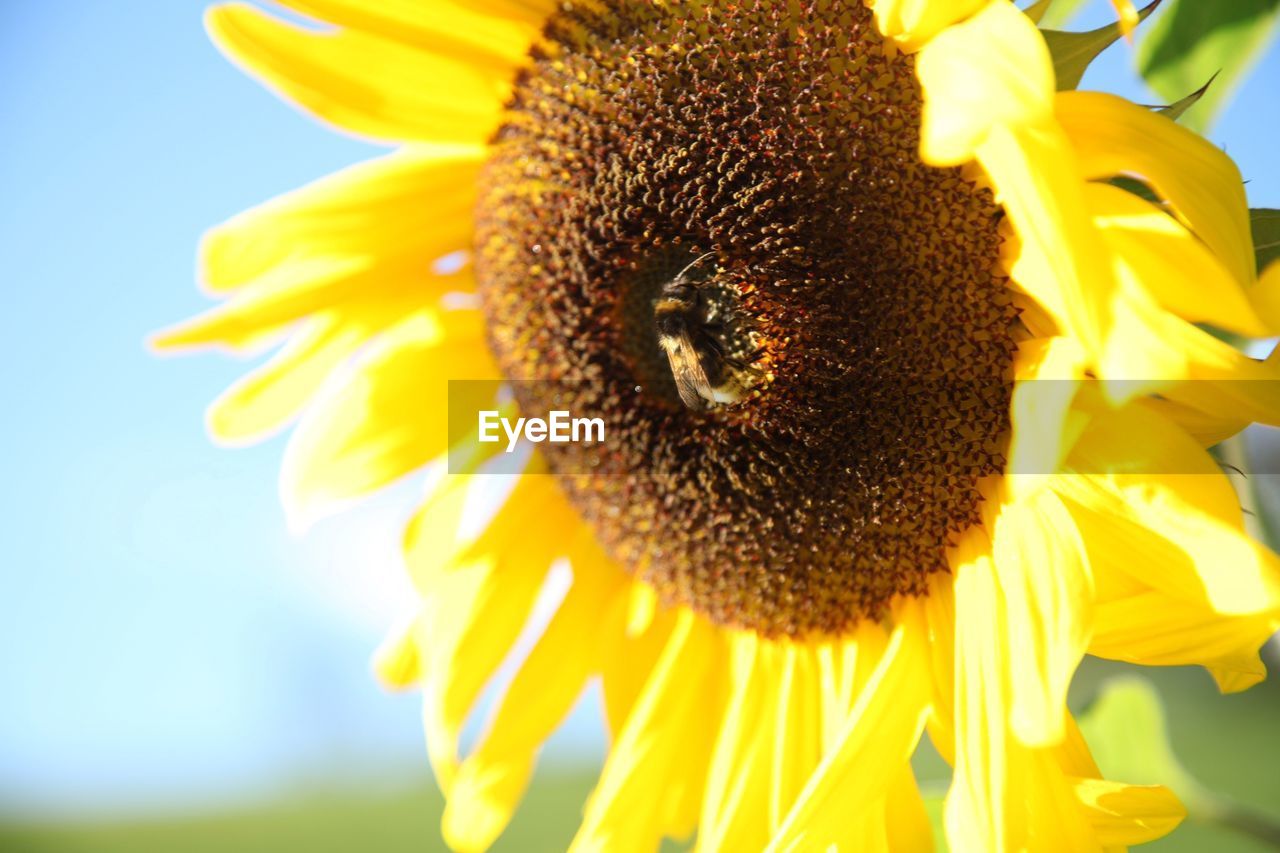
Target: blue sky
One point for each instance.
(165, 640)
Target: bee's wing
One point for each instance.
(686, 366)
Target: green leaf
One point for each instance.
(1136, 187)
(1061, 13)
(1177, 108)
(1037, 9)
(1265, 224)
(1193, 39)
(1125, 728)
(1072, 52)
(935, 802)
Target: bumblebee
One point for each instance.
(706, 375)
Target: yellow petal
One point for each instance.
(532, 13)
(1004, 795)
(974, 814)
(482, 798)
(835, 684)
(1112, 136)
(476, 605)
(993, 69)
(419, 198)
(363, 293)
(797, 736)
(387, 419)
(469, 624)
(882, 731)
(940, 620)
(1128, 16)
(907, 823)
(1207, 428)
(362, 83)
(844, 667)
(266, 399)
(1155, 629)
(1049, 374)
(913, 22)
(441, 28)
(652, 781)
(735, 810)
(1240, 670)
(628, 660)
(1044, 574)
(1265, 295)
(1128, 814)
(361, 241)
(492, 779)
(1221, 381)
(397, 662)
(1168, 517)
(1061, 258)
(1073, 753)
(434, 535)
(642, 608)
(534, 515)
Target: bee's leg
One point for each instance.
(710, 342)
(748, 363)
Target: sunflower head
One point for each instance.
(782, 142)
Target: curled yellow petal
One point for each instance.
(992, 69)
(1112, 136)
(1170, 263)
(1153, 504)
(1128, 814)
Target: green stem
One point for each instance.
(1246, 820)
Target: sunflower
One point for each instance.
(969, 446)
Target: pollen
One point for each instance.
(781, 137)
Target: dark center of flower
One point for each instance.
(853, 287)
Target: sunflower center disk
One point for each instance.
(781, 138)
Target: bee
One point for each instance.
(706, 375)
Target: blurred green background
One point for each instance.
(179, 673)
(1231, 744)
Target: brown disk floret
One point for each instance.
(781, 136)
